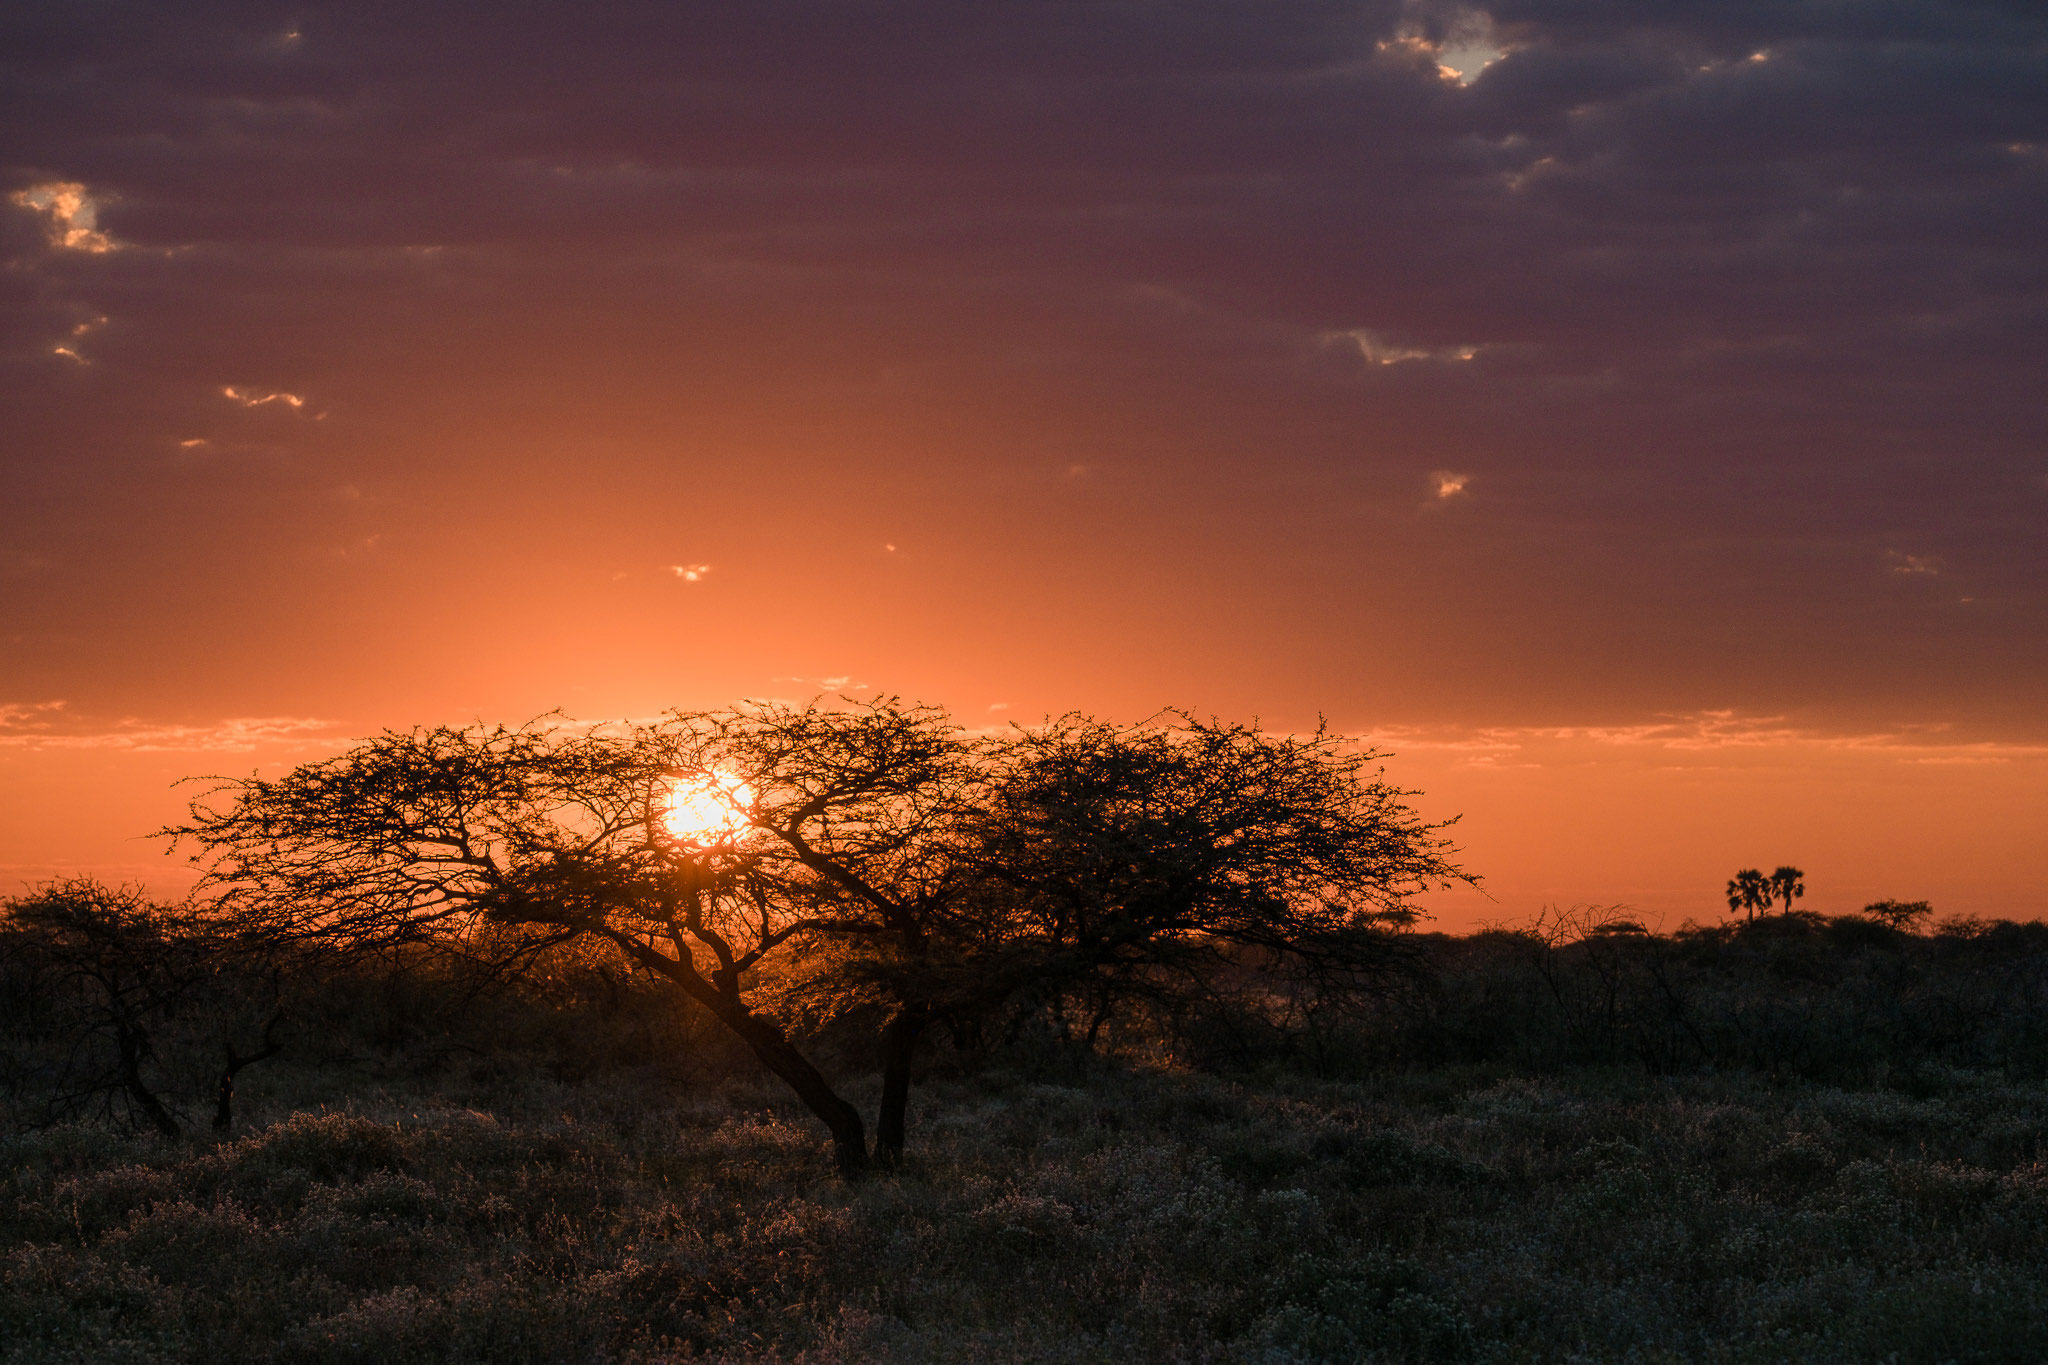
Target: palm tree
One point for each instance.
(1787, 884)
(1749, 890)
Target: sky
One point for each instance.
(1631, 417)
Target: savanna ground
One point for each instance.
(482, 1209)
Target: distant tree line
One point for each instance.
(94, 1025)
(1852, 999)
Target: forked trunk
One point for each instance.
(231, 1066)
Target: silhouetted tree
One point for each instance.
(878, 858)
(1901, 915)
(1612, 983)
(854, 831)
(135, 995)
(1787, 884)
(1749, 890)
(835, 819)
(1119, 862)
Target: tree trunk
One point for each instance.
(899, 1045)
(132, 1045)
(771, 1047)
(224, 1092)
(779, 1055)
(224, 1096)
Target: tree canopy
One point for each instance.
(872, 860)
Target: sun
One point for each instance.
(706, 809)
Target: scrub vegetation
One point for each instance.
(1801, 1138)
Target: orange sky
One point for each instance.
(1622, 415)
(1651, 816)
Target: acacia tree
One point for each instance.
(854, 825)
(835, 821)
(869, 857)
(138, 1000)
(1131, 861)
(1900, 915)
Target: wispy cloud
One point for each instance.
(1914, 566)
(70, 352)
(254, 398)
(690, 573)
(70, 215)
(841, 683)
(1700, 734)
(1377, 348)
(51, 725)
(1448, 484)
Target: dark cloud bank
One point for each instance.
(1728, 319)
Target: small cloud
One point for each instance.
(889, 547)
(355, 549)
(70, 215)
(1380, 349)
(1448, 484)
(690, 573)
(193, 443)
(1462, 52)
(843, 683)
(1914, 565)
(81, 329)
(1517, 181)
(999, 706)
(1469, 48)
(251, 398)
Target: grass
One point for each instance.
(1117, 1214)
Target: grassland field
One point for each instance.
(476, 1212)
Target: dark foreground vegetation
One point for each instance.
(560, 1043)
(1793, 1139)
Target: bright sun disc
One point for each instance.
(707, 809)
